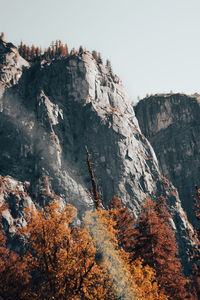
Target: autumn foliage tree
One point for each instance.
(124, 224)
(62, 258)
(195, 255)
(56, 50)
(130, 279)
(110, 230)
(155, 244)
(14, 278)
(194, 285)
(33, 53)
(110, 256)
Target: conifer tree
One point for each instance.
(195, 255)
(14, 278)
(62, 50)
(194, 284)
(81, 50)
(28, 53)
(2, 36)
(48, 53)
(95, 194)
(108, 65)
(20, 48)
(95, 54)
(124, 224)
(66, 50)
(56, 48)
(23, 51)
(53, 49)
(99, 59)
(73, 51)
(60, 46)
(37, 52)
(155, 244)
(33, 52)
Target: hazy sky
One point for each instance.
(153, 45)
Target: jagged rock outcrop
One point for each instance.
(15, 198)
(171, 123)
(11, 65)
(60, 107)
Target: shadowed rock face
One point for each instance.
(59, 108)
(172, 125)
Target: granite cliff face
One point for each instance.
(172, 125)
(11, 65)
(58, 108)
(15, 195)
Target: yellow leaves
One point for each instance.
(82, 263)
(101, 227)
(145, 280)
(130, 280)
(62, 258)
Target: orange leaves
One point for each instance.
(33, 53)
(155, 243)
(99, 260)
(13, 275)
(123, 224)
(62, 258)
(145, 279)
(130, 280)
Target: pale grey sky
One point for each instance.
(153, 45)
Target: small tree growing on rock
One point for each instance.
(108, 65)
(2, 37)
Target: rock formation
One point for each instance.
(11, 65)
(58, 108)
(14, 194)
(172, 125)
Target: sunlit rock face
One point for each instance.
(60, 108)
(172, 125)
(11, 65)
(14, 197)
(57, 110)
